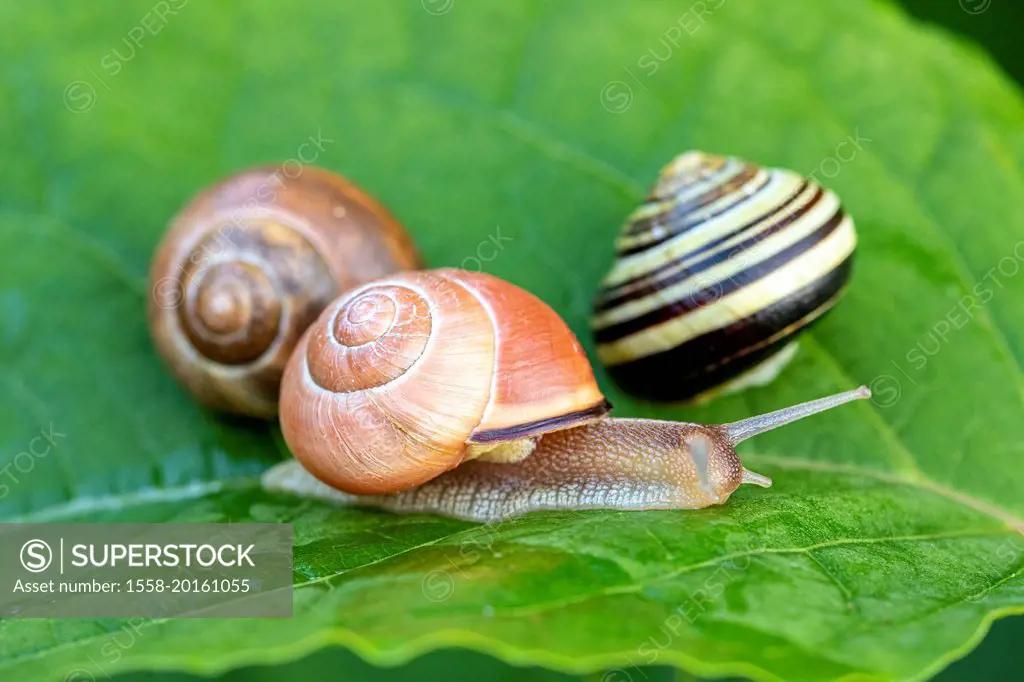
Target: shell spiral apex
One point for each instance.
(401, 379)
(715, 273)
(248, 264)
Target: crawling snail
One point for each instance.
(718, 270)
(248, 264)
(401, 382)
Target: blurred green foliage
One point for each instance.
(997, 28)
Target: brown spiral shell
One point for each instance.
(248, 264)
(398, 380)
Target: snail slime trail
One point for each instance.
(484, 409)
(229, 304)
(715, 274)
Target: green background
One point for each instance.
(1000, 656)
(997, 658)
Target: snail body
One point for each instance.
(623, 464)
(459, 394)
(248, 264)
(715, 274)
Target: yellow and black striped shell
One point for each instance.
(717, 271)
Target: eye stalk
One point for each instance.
(748, 428)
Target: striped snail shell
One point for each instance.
(247, 266)
(403, 379)
(717, 271)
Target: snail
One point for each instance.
(460, 394)
(715, 274)
(248, 264)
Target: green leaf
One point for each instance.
(887, 545)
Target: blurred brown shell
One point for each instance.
(249, 264)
